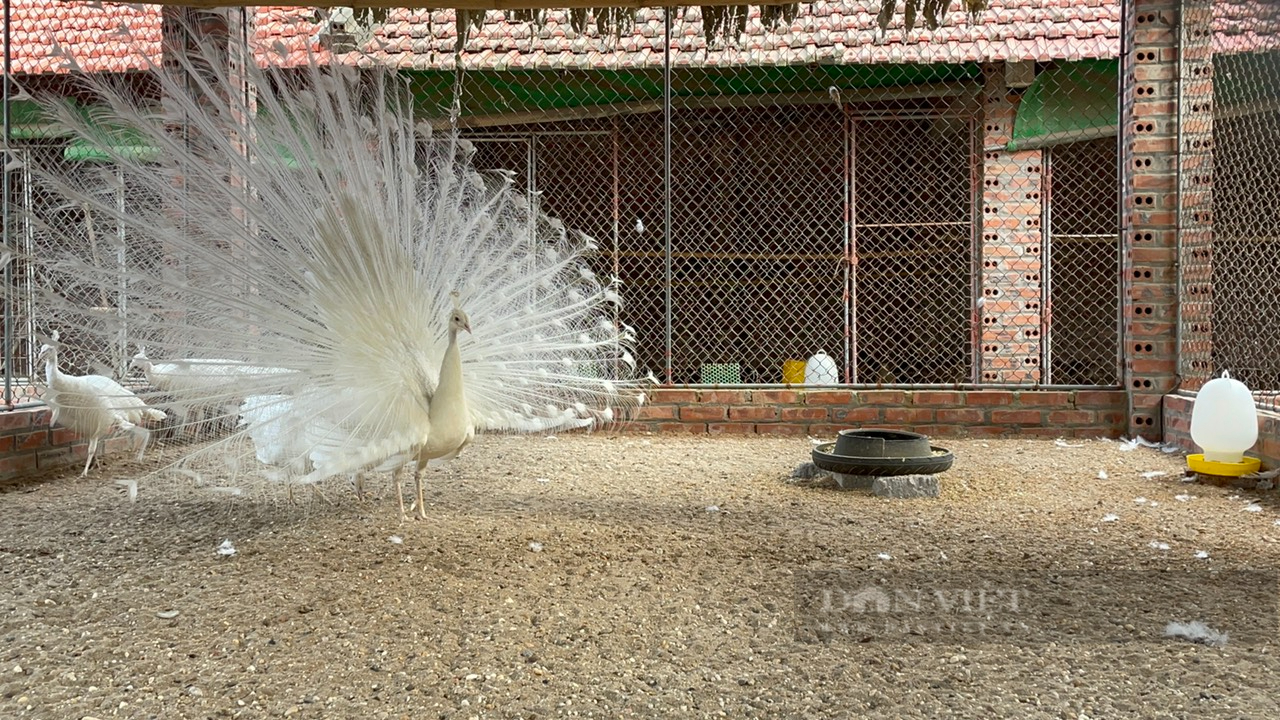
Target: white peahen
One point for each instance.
(278, 438)
(338, 240)
(93, 406)
(218, 379)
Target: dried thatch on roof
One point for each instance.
(723, 21)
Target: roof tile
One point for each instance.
(843, 30)
(86, 33)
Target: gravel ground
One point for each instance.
(634, 576)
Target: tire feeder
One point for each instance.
(882, 453)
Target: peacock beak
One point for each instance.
(467, 326)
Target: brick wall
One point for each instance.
(28, 445)
(1177, 428)
(822, 413)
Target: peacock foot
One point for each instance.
(419, 512)
(315, 490)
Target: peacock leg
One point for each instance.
(399, 476)
(417, 486)
(93, 447)
(145, 436)
(315, 490)
(140, 436)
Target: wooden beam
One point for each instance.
(710, 102)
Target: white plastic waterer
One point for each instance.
(1224, 423)
(820, 370)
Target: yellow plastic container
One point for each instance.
(793, 372)
(1223, 469)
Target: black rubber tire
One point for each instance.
(824, 458)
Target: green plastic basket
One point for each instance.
(722, 374)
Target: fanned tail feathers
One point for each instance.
(326, 262)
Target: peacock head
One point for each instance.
(458, 319)
(49, 349)
(141, 361)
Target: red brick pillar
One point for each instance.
(203, 24)
(1195, 187)
(223, 60)
(1011, 244)
(184, 28)
(1148, 126)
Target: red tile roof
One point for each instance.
(88, 32)
(1246, 26)
(844, 31)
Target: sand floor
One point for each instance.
(634, 576)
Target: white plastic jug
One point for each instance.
(820, 370)
(1224, 421)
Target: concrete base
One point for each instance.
(854, 482)
(906, 486)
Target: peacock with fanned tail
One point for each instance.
(315, 229)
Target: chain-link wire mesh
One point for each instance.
(46, 220)
(1230, 189)
(913, 247)
(927, 208)
(1082, 275)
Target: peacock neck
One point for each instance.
(51, 373)
(450, 388)
(450, 421)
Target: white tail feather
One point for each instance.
(328, 262)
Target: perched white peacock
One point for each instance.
(93, 406)
(314, 227)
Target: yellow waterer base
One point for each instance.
(1223, 469)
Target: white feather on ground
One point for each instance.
(1196, 632)
(339, 267)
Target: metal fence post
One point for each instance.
(6, 210)
(666, 179)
